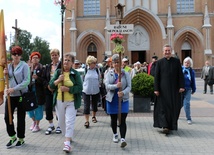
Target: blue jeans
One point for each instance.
(186, 102)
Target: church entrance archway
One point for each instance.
(185, 51)
(92, 50)
(138, 56)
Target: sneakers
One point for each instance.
(123, 143)
(115, 138)
(20, 143)
(49, 130)
(11, 142)
(36, 128)
(189, 122)
(32, 126)
(58, 130)
(67, 148)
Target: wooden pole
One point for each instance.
(120, 89)
(62, 48)
(3, 50)
(119, 17)
(8, 98)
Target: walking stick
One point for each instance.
(120, 89)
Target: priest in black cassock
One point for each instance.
(168, 88)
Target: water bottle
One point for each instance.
(34, 73)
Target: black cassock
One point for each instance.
(168, 80)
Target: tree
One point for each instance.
(39, 45)
(42, 47)
(24, 38)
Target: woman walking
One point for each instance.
(19, 78)
(36, 86)
(72, 87)
(47, 75)
(113, 85)
(190, 86)
(91, 89)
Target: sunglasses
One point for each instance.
(14, 54)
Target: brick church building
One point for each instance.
(184, 24)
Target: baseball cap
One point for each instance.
(76, 62)
(125, 59)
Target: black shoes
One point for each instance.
(49, 130)
(10, 143)
(20, 143)
(166, 131)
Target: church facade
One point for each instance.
(185, 25)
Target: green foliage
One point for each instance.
(143, 84)
(24, 39)
(42, 47)
(39, 45)
(9, 57)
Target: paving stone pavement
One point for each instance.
(142, 138)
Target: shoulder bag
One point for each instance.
(28, 99)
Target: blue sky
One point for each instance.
(39, 17)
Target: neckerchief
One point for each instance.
(187, 71)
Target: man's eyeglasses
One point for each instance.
(116, 62)
(14, 54)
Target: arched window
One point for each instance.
(185, 6)
(92, 50)
(91, 7)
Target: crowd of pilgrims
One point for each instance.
(63, 85)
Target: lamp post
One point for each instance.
(62, 40)
(63, 4)
(119, 17)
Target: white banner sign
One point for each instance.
(122, 28)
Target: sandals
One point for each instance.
(86, 125)
(94, 120)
